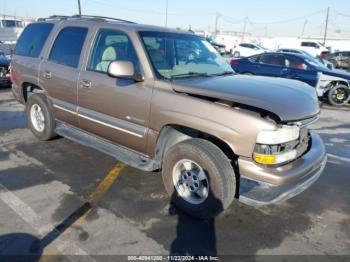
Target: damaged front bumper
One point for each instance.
(263, 186)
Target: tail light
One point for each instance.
(234, 62)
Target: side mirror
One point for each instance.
(124, 70)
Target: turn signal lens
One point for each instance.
(265, 159)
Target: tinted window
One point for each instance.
(68, 45)
(276, 60)
(111, 45)
(254, 59)
(32, 39)
(295, 63)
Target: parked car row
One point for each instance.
(333, 85)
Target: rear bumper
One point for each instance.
(263, 186)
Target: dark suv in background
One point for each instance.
(339, 59)
(4, 70)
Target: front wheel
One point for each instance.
(199, 178)
(339, 95)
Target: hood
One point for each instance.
(288, 99)
(338, 73)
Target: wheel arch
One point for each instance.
(172, 134)
(28, 88)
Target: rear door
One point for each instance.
(59, 71)
(114, 109)
(270, 65)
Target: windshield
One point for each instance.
(176, 55)
(315, 63)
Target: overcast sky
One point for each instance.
(271, 17)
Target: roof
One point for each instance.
(110, 20)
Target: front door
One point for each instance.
(111, 108)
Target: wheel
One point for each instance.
(236, 54)
(39, 117)
(339, 95)
(199, 178)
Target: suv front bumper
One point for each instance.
(263, 185)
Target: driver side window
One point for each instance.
(109, 46)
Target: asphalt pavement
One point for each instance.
(62, 200)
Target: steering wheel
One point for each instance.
(192, 58)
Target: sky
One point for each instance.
(263, 17)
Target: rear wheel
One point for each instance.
(199, 178)
(339, 95)
(39, 117)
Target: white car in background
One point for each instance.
(313, 48)
(248, 49)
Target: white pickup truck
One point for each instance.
(313, 48)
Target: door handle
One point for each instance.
(85, 83)
(47, 74)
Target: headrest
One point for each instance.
(109, 54)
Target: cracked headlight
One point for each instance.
(277, 146)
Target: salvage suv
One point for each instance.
(161, 99)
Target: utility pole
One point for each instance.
(79, 7)
(216, 24)
(326, 27)
(166, 13)
(304, 27)
(244, 28)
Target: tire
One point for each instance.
(339, 95)
(44, 129)
(236, 54)
(220, 183)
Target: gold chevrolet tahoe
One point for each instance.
(162, 99)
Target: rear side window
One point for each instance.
(68, 46)
(32, 39)
(276, 60)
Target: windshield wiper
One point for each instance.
(225, 73)
(190, 74)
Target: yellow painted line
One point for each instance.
(106, 183)
(101, 189)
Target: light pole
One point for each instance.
(166, 13)
(79, 7)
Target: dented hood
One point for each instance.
(288, 99)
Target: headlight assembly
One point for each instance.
(278, 146)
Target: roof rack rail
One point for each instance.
(64, 17)
(54, 17)
(103, 17)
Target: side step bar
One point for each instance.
(122, 154)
